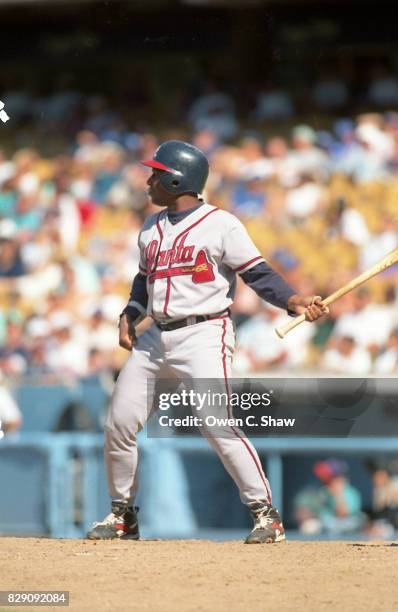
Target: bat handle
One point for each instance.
(284, 329)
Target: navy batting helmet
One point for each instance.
(185, 167)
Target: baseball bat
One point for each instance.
(387, 261)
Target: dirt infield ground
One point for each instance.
(206, 576)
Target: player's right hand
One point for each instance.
(127, 336)
(312, 307)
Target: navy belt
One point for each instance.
(191, 320)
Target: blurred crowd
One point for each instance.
(217, 103)
(320, 205)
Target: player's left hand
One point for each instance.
(127, 335)
(311, 306)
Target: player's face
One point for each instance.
(158, 195)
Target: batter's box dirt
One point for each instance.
(173, 576)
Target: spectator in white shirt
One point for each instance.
(258, 347)
(101, 333)
(346, 358)
(368, 324)
(387, 361)
(67, 353)
(307, 197)
(10, 415)
(379, 244)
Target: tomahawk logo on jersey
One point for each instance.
(191, 266)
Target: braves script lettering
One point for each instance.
(179, 254)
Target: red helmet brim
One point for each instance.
(152, 163)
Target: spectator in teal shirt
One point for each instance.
(28, 215)
(335, 508)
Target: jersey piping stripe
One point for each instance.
(248, 263)
(230, 415)
(158, 225)
(188, 229)
(160, 244)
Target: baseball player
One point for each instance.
(191, 252)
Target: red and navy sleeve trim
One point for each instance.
(249, 263)
(138, 299)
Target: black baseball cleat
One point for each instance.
(120, 524)
(268, 527)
